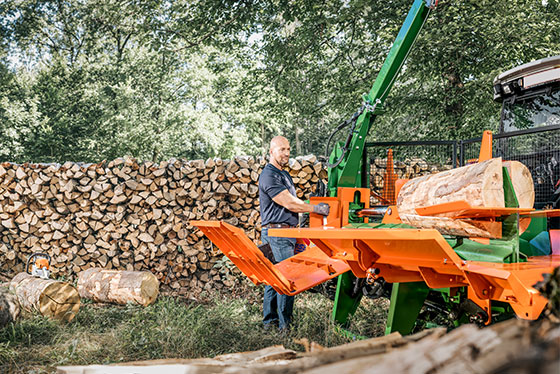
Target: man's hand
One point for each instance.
(322, 209)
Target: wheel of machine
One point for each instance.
(327, 289)
(378, 289)
(434, 313)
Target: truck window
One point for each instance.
(535, 110)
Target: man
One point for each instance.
(279, 207)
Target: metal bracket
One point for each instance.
(431, 3)
(371, 108)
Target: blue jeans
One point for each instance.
(278, 308)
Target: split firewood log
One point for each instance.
(9, 306)
(118, 286)
(51, 298)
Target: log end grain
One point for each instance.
(149, 289)
(522, 183)
(60, 301)
(9, 306)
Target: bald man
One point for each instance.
(279, 207)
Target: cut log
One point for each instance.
(119, 287)
(481, 185)
(9, 306)
(51, 298)
(522, 183)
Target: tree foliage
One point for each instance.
(87, 80)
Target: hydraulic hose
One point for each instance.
(352, 120)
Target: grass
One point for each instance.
(171, 328)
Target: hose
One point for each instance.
(352, 120)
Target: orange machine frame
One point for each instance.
(396, 254)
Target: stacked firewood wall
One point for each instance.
(128, 215)
(407, 169)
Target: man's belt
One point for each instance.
(277, 226)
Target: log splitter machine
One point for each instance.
(474, 279)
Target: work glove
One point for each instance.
(322, 209)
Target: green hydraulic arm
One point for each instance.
(345, 161)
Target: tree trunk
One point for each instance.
(481, 185)
(119, 287)
(298, 142)
(263, 140)
(51, 298)
(9, 306)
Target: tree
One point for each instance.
(323, 55)
(120, 78)
(155, 79)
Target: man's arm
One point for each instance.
(292, 203)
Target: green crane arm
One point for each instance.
(345, 170)
(346, 160)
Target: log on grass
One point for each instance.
(119, 287)
(9, 306)
(51, 298)
(481, 185)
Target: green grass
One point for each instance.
(171, 328)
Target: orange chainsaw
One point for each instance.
(38, 265)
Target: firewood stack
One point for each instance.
(128, 215)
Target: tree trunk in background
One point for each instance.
(119, 287)
(298, 142)
(264, 144)
(58, 300)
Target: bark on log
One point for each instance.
(119, 287)
(52, 298)
(481, 185)
(9, 306)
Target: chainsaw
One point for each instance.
(38, 265)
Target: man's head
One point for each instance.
(279, 151)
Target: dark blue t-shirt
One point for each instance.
(271, 182)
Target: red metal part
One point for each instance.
(555, 241)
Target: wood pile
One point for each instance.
(132, 215)
(407, 169)
(507, 347)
